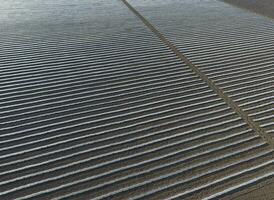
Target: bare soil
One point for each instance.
(263, 7)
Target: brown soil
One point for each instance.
(265, 191)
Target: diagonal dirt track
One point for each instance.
(253, 125)
(221, 52)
